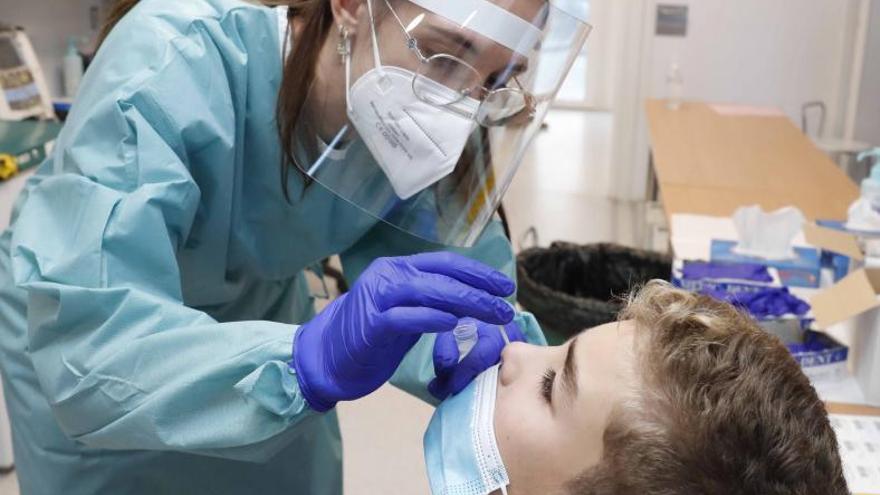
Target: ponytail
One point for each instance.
(316, 19)
(117, 12)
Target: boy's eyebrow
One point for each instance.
(569, 371)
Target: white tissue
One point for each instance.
(767, 235)
(863, 217)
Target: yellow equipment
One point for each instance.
(8, 166)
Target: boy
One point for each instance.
(685, 395)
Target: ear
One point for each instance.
(347, 12)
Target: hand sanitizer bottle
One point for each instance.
(73, 69)
(674, 87)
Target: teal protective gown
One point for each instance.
(153, 275)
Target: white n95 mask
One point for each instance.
(415, 143)
(461, 452)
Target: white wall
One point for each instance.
(49, 23)
(868, 118)
(780, 53)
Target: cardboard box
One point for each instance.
(854, 299)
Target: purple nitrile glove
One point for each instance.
(774, 302)
(453, 376)
(770, 302)
(698, 270)
(355, 344)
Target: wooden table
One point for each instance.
(711, 164)
(854, 409)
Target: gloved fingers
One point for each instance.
(445, 354)
(514, 333)
(450, 295)
(465, 270)
(454, 376)
(490, 343)
(485, 354)
(416, 320)
(489, 340)
(438, 387)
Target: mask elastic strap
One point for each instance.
(348, 80)
(377, 59)
(506, 343)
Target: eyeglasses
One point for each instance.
(499, 106)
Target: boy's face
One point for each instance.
(550, 417)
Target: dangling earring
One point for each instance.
(343, 48)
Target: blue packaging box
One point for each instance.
(821, 357)
(707, 284)
(840, 265)
(802, 271)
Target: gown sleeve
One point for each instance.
(123, 362)
(492, 248)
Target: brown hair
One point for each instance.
(299, 73)
(316, 18)
(722, 408)
(117, 12)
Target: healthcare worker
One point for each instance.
(158, 333)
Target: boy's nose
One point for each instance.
(512, 361)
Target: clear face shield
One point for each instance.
(443, 99)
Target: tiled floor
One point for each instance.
(8, 485)
(562, 191)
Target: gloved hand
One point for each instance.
(453, 376)
(354, 346)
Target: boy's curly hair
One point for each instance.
(721, 408)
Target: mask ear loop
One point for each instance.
(506, 343)
(377, 59)
(346, 57)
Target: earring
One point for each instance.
(343, 48)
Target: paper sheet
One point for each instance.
(859, 439)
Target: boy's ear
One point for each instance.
(347, 12)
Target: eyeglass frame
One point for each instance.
(523, 116)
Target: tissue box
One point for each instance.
(802, 271)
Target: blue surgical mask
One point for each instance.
(461, 451)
